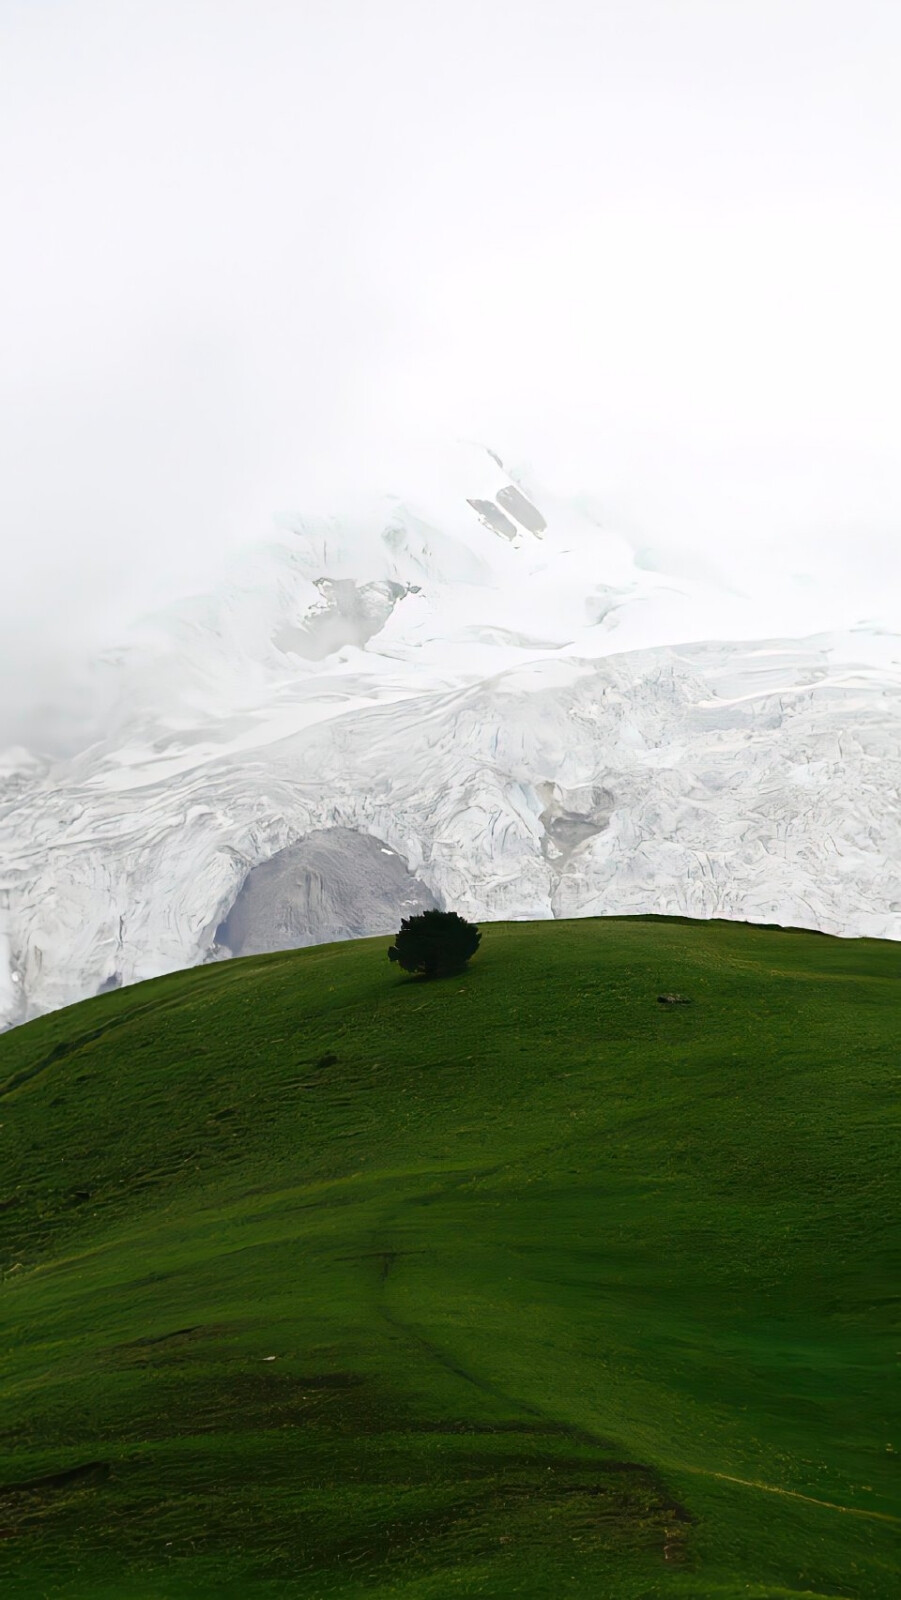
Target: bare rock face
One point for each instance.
(571, 819)
(514, 501)
(349, 614)
(334, 884)
(492, 517)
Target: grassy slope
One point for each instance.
(569, 1293)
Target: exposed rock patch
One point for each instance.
(334, 884)
(351, 613)
(514, 501)
(493, 518)
(571, 818)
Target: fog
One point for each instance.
(254, 253)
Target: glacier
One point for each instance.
(478, 696)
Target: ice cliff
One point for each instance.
(473, 696)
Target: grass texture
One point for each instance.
(320, 1281)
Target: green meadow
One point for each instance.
(322, 1281)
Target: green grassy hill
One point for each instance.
(319, 1281)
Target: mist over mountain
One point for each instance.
(626, 636)
(255, 256)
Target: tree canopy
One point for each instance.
(435, 943)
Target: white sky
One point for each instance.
(252, 249)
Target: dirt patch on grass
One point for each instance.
(87, 1473)
(27, 1502)
(152, 1349)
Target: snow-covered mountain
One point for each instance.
(477, 696)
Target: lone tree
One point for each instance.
(435, 943)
